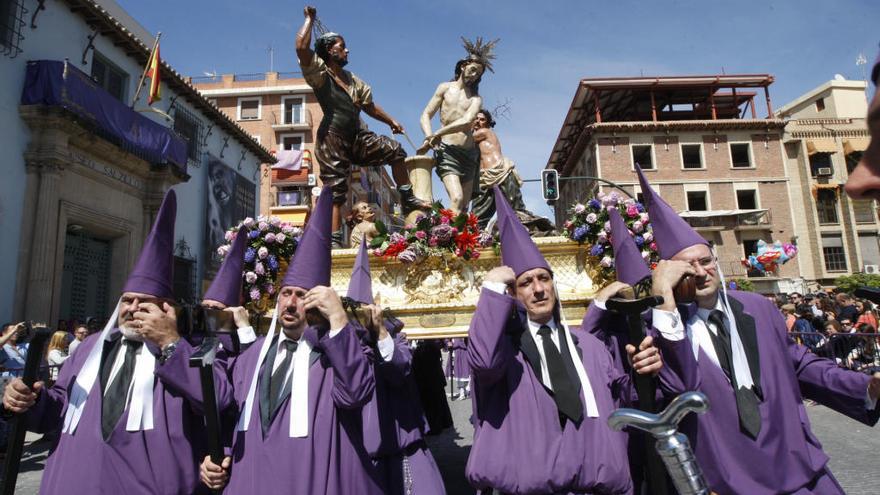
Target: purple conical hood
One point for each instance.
(311, 262)
(360, 288)
(518, 251)
(628, 262)
(153, 272)
(226, 287)
(671, 232)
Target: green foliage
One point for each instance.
(743, 284)
(849, 283)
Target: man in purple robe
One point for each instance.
(394, 422)
(126, 427)
(733, 346)
(457, 369)
(300, 391)
(542, 393)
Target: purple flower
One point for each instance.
(596, 250)
(280, 238)
(275, 221)
(485, 239)
(254, 234)
(248, 222)
(249, 255)
(580, 233)
(639, 240)
(579, 208)
(263, 226)
(255, 294)
(396, 237)
(594, 204)
(273, 262)
(269, 238)
(443, 232)
(407, 256)
(259, 269)
(269, 288)
(606, 262)
(640, 207)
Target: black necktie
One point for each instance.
(746, 399)
(113, 402)
(275, 391)
(568, 401)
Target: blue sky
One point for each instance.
(403, 49)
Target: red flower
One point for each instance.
(445, 212)
(466, 240)
(472, 221)
(394, 249)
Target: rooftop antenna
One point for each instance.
(271, 58)
(862, 62)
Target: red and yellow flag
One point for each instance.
(153, 73)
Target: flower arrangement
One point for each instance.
(439, 232)
(589, 224)
(271, 243)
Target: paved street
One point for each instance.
(853, 447)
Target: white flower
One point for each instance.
(264, 226)
(262, 252)
(280, 238)
(579, 208)
(223, 250)
(606, 262)
(274, 221)
(248, 222)
(646, 254)
(250, 277)
(591, 218)
(230, 236)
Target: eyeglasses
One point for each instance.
(706, 263)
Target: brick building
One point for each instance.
(825, 136)
(702, 145)
(280, 110)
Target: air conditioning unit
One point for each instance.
(872, 269)
(312, 180)
(824, 171)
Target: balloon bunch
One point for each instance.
(769, 257)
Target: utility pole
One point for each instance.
(862, 62)
(271, 58)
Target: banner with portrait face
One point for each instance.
(230, 198)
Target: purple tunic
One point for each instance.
(332, 458)
(786, 457)
(458, 358)
(519, 445)
(394, 425)
(158, 461)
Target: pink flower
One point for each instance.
(568, 224)
(653, 246)
(263, 226)
(269, 238)
(280, 238)
(632, 211)
(420, 235)
(275, 221)
(230, 236)
(433, 241)
(255, 294)
(250, 277)
(602, 237)
(475, 255)
(262, 252)
(444, 219)
(288, 229)
(454, 231)
(248, 222)
(259, 269)
(269, 288)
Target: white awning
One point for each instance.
(718, 213)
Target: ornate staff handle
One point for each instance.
(673, 447)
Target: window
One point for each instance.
(293, 196)
(821, 161)
(640, 198)
(11, 15)
(184, 280)
(820, 104)
(190, 128)
(832, 251)
(747, 199)
(692, 155)
(697, 201)
(852, 160)
(826, 206)
(292, 142)
(293, 110)
(750, 247)
(249, 108)
(870, 248)
(643, 154)
(108, 76)
(741, 155)
(863, 210)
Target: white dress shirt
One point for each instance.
(118, 360)
(539, 341)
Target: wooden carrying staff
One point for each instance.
(18, 423)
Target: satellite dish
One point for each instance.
(839, 77)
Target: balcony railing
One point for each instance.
(731, 219)
(300, 119)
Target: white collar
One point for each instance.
(535, 326)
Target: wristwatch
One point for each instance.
(167, 352)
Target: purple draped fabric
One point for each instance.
(57, 83)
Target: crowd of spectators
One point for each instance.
(837, 326)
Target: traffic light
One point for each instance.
(550, 184)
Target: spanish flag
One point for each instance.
(153, 73)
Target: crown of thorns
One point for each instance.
(480, 52)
